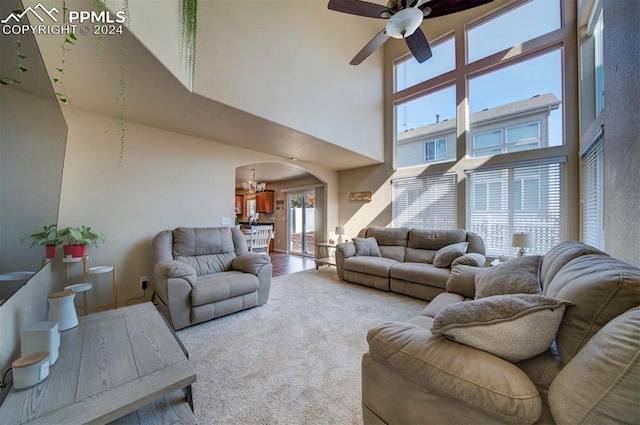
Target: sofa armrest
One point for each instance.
(172, 269)
(470, 259)
(250, 262)
(442, 367)
(343, 251)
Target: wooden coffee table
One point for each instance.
(110, 365)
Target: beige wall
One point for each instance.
(622, 129)
(165, 180)
(288, 62)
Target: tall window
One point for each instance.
(592, 194)
(425, 202)
(524, 198)
(508, 89)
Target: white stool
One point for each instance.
(62, 309)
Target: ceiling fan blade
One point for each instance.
(371, 47)
(419, 46)
(446, 7)
(360, 8)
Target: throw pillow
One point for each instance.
(513, 327)
(515, 276)
(445, 255)
(367, 247)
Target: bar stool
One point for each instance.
(62, 309)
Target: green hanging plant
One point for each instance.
(189, 32)
(17, 66)
(58, 80)
(121, 103)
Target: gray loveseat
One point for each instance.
(404, 260)
(204, 273)
(588, 374)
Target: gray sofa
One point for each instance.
(204, 273)
(588, 374)
(402, 259)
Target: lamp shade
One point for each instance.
(522, 240)
(405, 22)
(339, 230)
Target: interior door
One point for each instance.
(302, 223)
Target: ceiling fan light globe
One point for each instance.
(404, 23)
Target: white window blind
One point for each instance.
(524, 198)
(592, 194)
(425, 202)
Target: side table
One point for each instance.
(329, 257)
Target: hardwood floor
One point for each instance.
(287, 263)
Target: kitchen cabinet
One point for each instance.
(265, 202)
(239, 205)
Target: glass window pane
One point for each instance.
(520, 98)
(484, 140)
(531, 20)
(526, 199)
(409, 72)
(523, 132)
(425, 119)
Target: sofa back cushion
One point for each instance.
(414, 255)
(396, 236)
(556, 258)
(601, 288)
(392, 241)
(602, 383)
(434, 239)
(206, 249)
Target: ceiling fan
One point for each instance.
(405, 17)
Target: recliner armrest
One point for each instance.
(346, 249)
(443, 367)
(470, 259)
(250, 262)
(172, 269)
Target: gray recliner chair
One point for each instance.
(204, 273)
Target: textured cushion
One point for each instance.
(514, 327)
(472, 377)
(601, 287)
(447, 254)
(516, 276)
(601, 385)
(367, 247)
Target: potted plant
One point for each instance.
(47, 237)
(78, 238)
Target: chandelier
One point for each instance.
(251, 187)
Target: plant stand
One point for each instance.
(86, 284)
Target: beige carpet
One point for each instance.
(295, 360)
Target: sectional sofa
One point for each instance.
(415, 262)
(537, 340)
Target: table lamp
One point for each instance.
(522, 241)
(340, 232)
